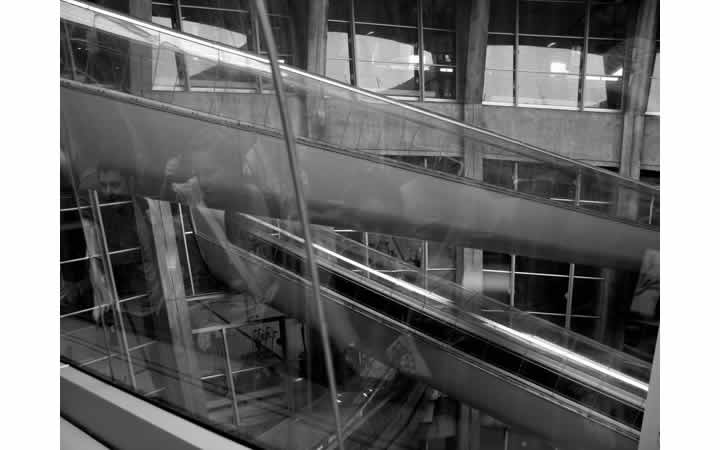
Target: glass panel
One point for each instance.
(441, 255)
(129, 273)
(500, 51)
(398, 45)
(498, 86)
(552, 18)
(496, 261)
(502, 16)
(534, 265)
(605, 58)
(537, 293)
(554, 55)
(389, 78)
(548, 89)
(441, 46)
(72, 237)
(339, 70)
(401, 12)
(586, 296)
(224, 4)
(585, 326)
(546, 182)
(338, 40)
(603, 92)
(654, 99)
(499, 172)
(439, 14)
(440, 81)
(162, 15)
(608, 19)
(231, 28)
(496, 285)
(339, 9)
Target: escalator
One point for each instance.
(142, 130)
(520, 369)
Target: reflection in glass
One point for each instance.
(338, 69)
(338, 41)
(608, 19)
(603, 92)
(389, 78)
(440, 82)
(376, 43)
(541, 293)
(605, 57)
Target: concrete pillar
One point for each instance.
(473, 18)
(637, 87)
(317, 29)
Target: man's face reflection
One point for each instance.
(113, 186)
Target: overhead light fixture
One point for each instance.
(552, 44)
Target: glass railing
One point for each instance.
(197, 326)
(327, 113)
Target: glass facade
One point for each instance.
(563, 54)
(375, 45)
(187, 269)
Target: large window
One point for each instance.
(375, 45)
(562, 54)
(230, 22)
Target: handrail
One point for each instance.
(546, 154)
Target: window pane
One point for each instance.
(498, 86)
(534, 265)
(120, 227)
(496, 261)
(440, 82)
(502, 16)
(539, 54)
(541, 294)
(72, 237)
(586, 296)
(548, 89)
(439, 14)
(282, 32)
(129, 274)
(608, 20)
(546, 182)
(550, 18)
(496, 285)
(603, 92)
(162, 15)
(656, 65)
(165, 73)
(389, 78)
(605, 57)
(445, 274)
(498, 172)
(441, 255)
(338, 40)
(225, 4)
(230, 28)
(339, 9)
(339, 70)
(441, 47)
(500, 50)
(654, 99)
(76, 291)
(377, 43)
(398, 12)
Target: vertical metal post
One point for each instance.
(652, 209)
(583, 56)
(366, 244)
(230, 381)
(302, 209)
(187, 253)
(95, 208)
(569, 300)
(512, 280)
(353, 47)
(516, 55)
(421, 51)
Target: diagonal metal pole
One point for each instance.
(302, 209)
